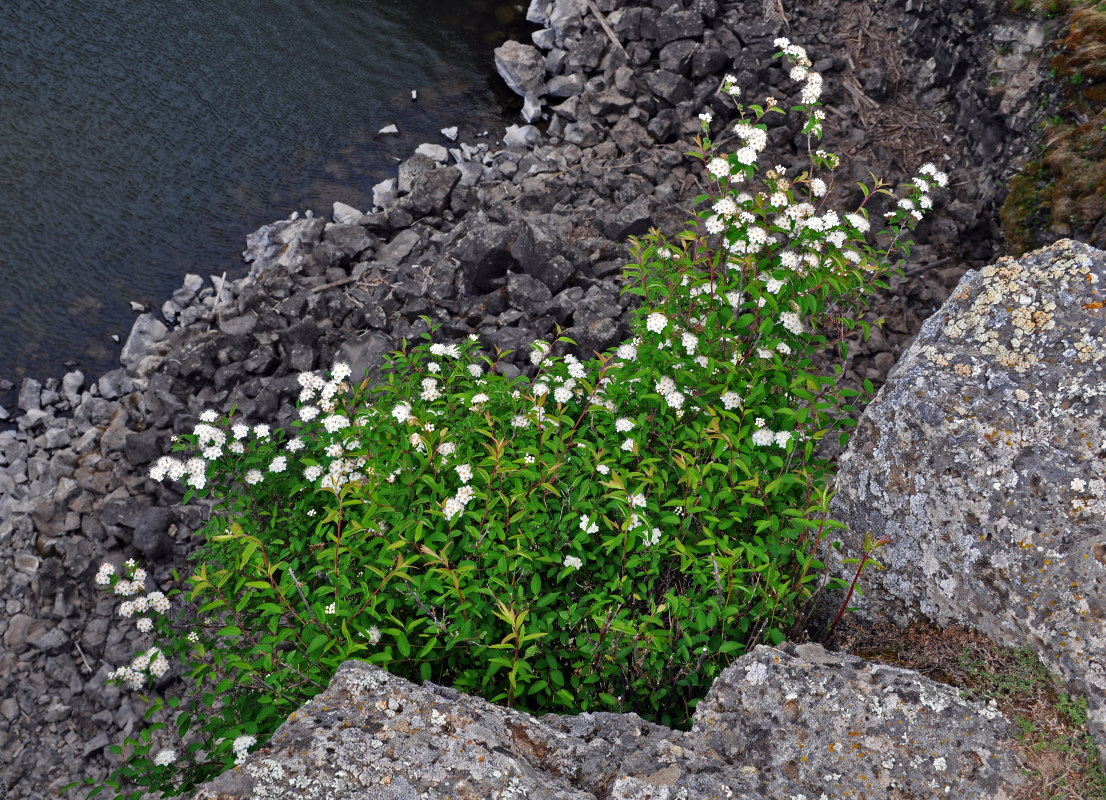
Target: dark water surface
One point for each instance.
(142, 139)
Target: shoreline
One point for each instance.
(502, 243)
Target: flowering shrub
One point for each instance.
(607, 536)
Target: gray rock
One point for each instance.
(435, 152)
(777, 723)
(527, 294)
(483, 251)
(633, 219)
(389, 129)
(384, 193)
(71, 386)
(522, 68)
(450, 133)
(53, 640)
(345, 214)
(365, 356)
(562, 86)
(983, 459)
(30, 395)
(114, 384)
(393, 253)
(146, 335)
(668, 85)
(524, 136)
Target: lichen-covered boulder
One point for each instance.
(789, 722)
(983, 459)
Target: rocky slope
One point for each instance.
(505, 241)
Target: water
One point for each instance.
(140, 141)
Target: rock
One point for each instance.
(30, 395)
(398, 249)
(450, 133)
(527, 294)
(679, 25)
(365, 356)
(633, 219)
(524, 136)
(669, 86)
(435, 152)
(522, 68)
(346, 215)
(983, 459)
(538, 250)
(562, 86)
(384, 193)
(483, 251)
(114, 384)
(430, 191)
(776, 723)
(389, 129)
(71, 386)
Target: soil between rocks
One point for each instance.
(506, 243)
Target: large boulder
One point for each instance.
(983, 460)
(522, 68)
(780, 722)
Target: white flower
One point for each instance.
(479, 398)
(573, 562)
(603, 469)
(402, 412)
(719, 167)
(464, 472)
(295, 445)
(308, 413)
(103, 577)
(706, 117)
(587, 526)
(520, 421)
(278, 464)
(241, 747)
(665, 385)
(747, 155)
(373, 634)
(340, 371)
(772, 285)
(312, 473)
(690, 341)
(447, 449)
(627, 352)
(791, 321)
(656, 322)
(145, 624)
(253, 476)
(475, 370)
(731, 400)
(562, 394)
(674, 400)
(209, 416)
(430, 389)
(784, 348)
(529, 458)
(335, 423)
(628, 445)
(622, 425)
(331, 609)
(762, 437)
(165, 757)
(261, 431)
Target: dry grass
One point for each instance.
(1059, 758)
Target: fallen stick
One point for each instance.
(606, 27)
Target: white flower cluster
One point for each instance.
(448, 350)
(242, 747)
(151, 662)
(175, 469)
(587, 526)
(763, 437)
(572, 562)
